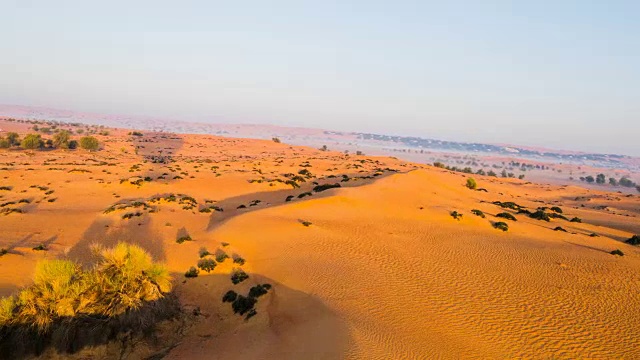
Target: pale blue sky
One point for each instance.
(563, 74)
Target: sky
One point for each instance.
(559, 74)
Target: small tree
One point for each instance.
(61, 139)
(471, 183)
(13, 138)
(590, 179)
(89, 143)
(32, 141)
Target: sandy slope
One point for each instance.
(382, 272)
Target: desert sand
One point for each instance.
(374, 269)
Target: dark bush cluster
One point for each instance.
(478, 213)
(238, 276)
(634, 240)
(456, 215)
(324, 187)
(501, 226)
(506, 215)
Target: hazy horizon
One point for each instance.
(561, 76)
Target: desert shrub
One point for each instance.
(191, 273)
(501, 226)
(304, 194)
(61, 139)
(478, 213)
(184, 238)
(4, 143)
(306, 223)
(73, 144)
(238, 276)
(229, 296)
(221, 256)
(594, 235)
(634, 240)
(324, 187)
(556, 210)
(289, 198)
(617, 252)
(456, 215)
(506, 215)
(237, 259)
(123, 279)
(540, 215)
(203, 252)
(207, 265)
(275, 140)
(3, 251)
(471, 184)
(89, 143)
(259, 290)
(576, 220)
(32, 141)
(40, 247)
(508, 205)
(439, 165)
(559, 228)
(13, 138)
(243, 304)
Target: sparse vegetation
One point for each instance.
(540, 215)
(89, 143)
(559, 228)
(617, 252)
(124, 279)
(506, 215)
(183, 238)
(456, 215)
(207, 265)
(32, 142)
(478, 213)
(471, 184)
(192, 272)
(634, 240)
(501, 226)
(238, 276)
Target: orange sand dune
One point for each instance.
(382, 271)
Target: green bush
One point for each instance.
(506, 215)
(89, 143)
(471, 183)
(32, 141)
(4, 143)
(238, 276)
(191, 273)
(501, 226)
(184, 238)
(124, 278)
(13, 138)
(61, 139)
(540, 215)
(207, 265)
